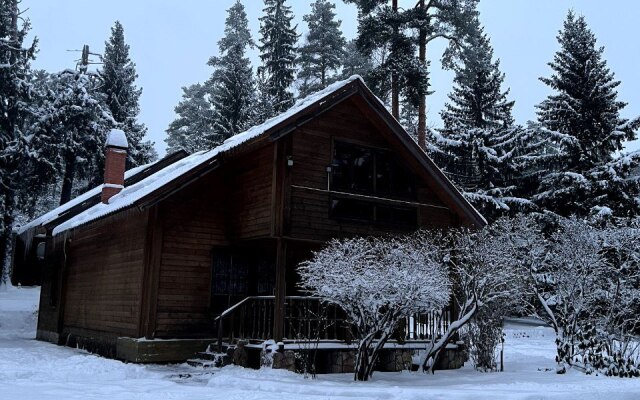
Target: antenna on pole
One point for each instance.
(83, 63)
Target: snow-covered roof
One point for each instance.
(117, 138)
(130, 194)
(137, 191)
(56, 212)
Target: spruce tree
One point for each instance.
(264, 102)
(322, 54)
(15, 90)
(477, 99)
(73, 124)
(278, 51)
(584, 109)
(122, 95)
(192, 130)
(480, 148)
(354, 62)
(232, 83)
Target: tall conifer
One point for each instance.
(232, 83)
(278, 51)
(585, 112)
(122, 95)
(323, 51)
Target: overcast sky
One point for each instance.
(171, 42)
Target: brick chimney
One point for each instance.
(114, 164)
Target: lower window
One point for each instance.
(366, 211)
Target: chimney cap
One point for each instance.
(117, 138)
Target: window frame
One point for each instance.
(335, 141)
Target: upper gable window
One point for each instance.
(367, 170)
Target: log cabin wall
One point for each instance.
(226, 206)
(250, 180)
(312, 153)
(103, 279)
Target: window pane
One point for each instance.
(239, 279)
(351, 209)
(400, 216)
(352, 168)
(266, 277)
(220, 273)
(392, 178)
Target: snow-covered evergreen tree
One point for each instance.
(264, 101)
(322, 53)
(354, 62)
(584, 107)
(232, 84)
(478, 99)
(122, 95)
(73, 124)
(192, 130)
(480, 148)
(15, 92)
(278, 51)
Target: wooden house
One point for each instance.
(205, 248)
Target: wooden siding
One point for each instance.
(229, 204)
(103, 278)
(249, 180)
(193, 222)
(312, 153)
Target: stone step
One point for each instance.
(201, 363)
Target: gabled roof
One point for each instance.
(180, 173)
(92, 196)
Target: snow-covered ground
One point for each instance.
(35, 370)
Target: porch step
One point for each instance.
(202, 363)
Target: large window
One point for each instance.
(371, 173)
(361, 169)
(238, 273)
(367, 211)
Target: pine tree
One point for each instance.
(322, 54)
(192, 130)
(122, 95)
(15, 90)
(404, 33)
(232, 83)
(277, 51)
(584, 109)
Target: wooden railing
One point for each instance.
(308, 318)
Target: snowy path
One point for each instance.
(35, 370)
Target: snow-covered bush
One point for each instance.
(484, 278)
(586, 283)
(482, 337)
(378, 282)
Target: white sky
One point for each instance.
(171, 42)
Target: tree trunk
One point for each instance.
(422, 105)
(67, 181)
(6, 233)
(395, 89)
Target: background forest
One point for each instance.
(568, 161)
